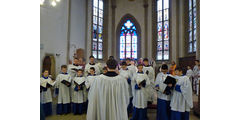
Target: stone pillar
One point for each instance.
(198, 30)
(145, 5)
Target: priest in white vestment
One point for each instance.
(108, 96)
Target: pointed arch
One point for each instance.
(124, 19)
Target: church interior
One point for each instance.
(160, 30)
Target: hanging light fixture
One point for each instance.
(51, 2)
(54, 3)
(42, 2)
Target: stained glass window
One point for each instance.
(97, 38)
(192, 26)
(163, 29)
(128, 41)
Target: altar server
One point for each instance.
(90, 78)
(62, 90)
(46, 96)
(195, 75)
(108, 96)
(140, 94)
(181, 101)
(126, 73)
(131, 66)
(92, 64)
(78, 93)
(147, 69)
(72, 70)
(164, 94)
(189, 73)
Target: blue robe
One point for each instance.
(163, 109)
(139, 114)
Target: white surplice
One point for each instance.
(140, 96)
(64, 91)
(182, 101)
(108, 99)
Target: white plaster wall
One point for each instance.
(54, 28)
(53, 32)
(77, 26)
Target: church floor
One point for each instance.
(151, 114)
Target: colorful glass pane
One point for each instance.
(134, 47)
(159, 5)
(122, 47)
(194, 3)
(194, 34)
(128, 47)
(159, 15)
(194, 46)
(94, 20)
(122, 38)
(159, 46)
(100, 4)
(166, 55)
(166, 45)
(94, 36)
(100, 40)
(159, 36)
(99, 54)
(166, 14)
(94, 53)
(128, 24)
(94, 27)
(194, 23)
(101, 13)
(194, 12)
(166, 4)
(190, 4)
(134, 54)
(122, 55)
(94, 46)
(100, 21)
(190, 47)
(165, 25)
(128, 38)
(99, 36)
(99, 29)
(95, 3)
(95, 11)
(160, 26)
(134, 39)
(159, 55)
(99, 46)
(166, 35)
(190, 15)
(190, 36)
(134, 28)
(128, 54)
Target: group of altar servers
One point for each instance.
(116, 90)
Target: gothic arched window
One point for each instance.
(128, 41)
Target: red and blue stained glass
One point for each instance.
(128, 41)
(163, 29)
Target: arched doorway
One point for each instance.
(49, 64)
(128, 38)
